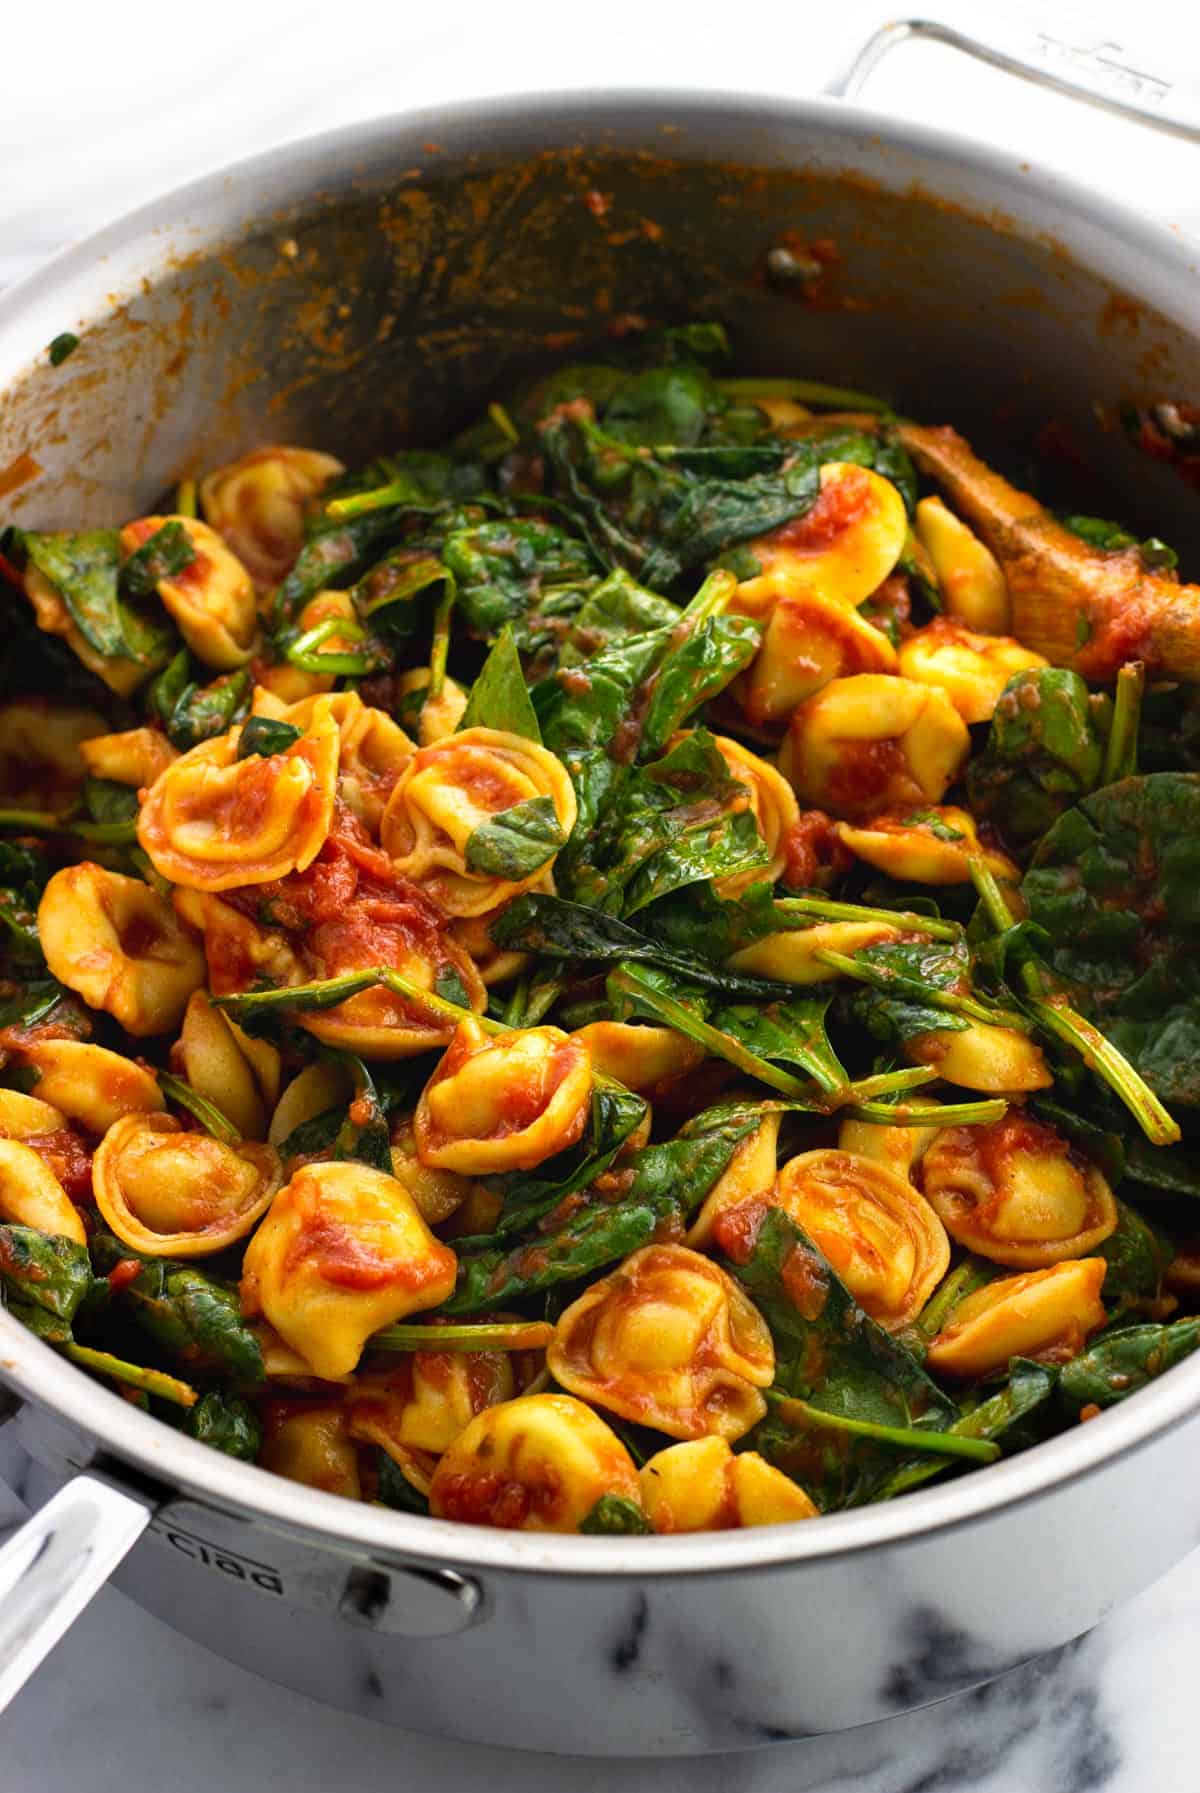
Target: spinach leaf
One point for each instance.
(1116, 885)
(612, 610)
(357, 1132)
(111, 804)
(1017, 1414)
(1117, 1364)
(560, 930)
(1162, 1170)
(227, 1424)
(516, 842)
(332, 556)
(584, 706)
(615, 1114)
(832, 1356)
(499, 697)
(190, 1318)
(1137, 1256)
(61, 347)
(167, 552)
(505, 567)
(615, 1516)
(665, 1183)
(190, 712)
(263, 736)
(43, 1270)
(696, 670)
(395, 1490)
(1044, 751)
(84, 569)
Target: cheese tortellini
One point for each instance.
(702, 1485)
(211, 598)
(538, 1464)
(971, 669)
(342, 1252)
(879, 1233)
(810, 640)
(213, 821)
(90, 1084)
(869, 742)
(1015, 1193)
(424, 1399)
(671, 1341)
(1043, 1313)
(842, 548)
(257, 504)
(927, 846)
(503, 1103)
(119, 944)
(168, 1193)
(31, 1195)
(773, 806)
(373, 750)
(973, 587)
(444, 823)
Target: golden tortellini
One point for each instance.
(978, 1055)
(423, 1400)
(372, 751)
(898, 1149)
(218, 1064)
(342, 1252)
(773, 806)
(439, 716)
(118, 943)
(211, 598)
(972, 669)
(791, 955)
(879, 1233)
(538, 1464)
(1042, 1313)
(702, 1485)
(1014, 1192)
(926, 846)
(437, 1193)
(89, 1084)
(843, 546)
(257, 504)
(669, 1340)
(311, 1443)
(31, 1195)
(462, 785)
(24, 1117)
(810, 639)
(323, 1085)
(643, 1058)
(869, 742)
(135, 756)
(213, 821)
(503, 1103)
(43, 752)
(973, 587)
(283, 683)
(170, 1193)
(744, 1188)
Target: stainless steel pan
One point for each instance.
(371, 284)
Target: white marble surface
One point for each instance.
(105, 108)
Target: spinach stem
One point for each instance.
(882, 978)
(497, 1335)
(185, 498)
(211, 1118)
(1120, 754)
(902, 920)
(935, 1114)
(135, 1375)
(910, 1438)
(804, 392)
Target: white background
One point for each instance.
(105, 106)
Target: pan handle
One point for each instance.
(55, 1563)
(1088, 64)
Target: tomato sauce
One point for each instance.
(813, 854)
(68, 1156)
(807, 1285)
(839, 505)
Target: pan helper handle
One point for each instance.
(56, 1562)
(1068, 55)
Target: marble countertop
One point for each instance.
(98, 117)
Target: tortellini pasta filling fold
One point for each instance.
(461, 785)
(670, 1341)
(1042, 1313)
(702, 1485)
(31, 1195)
(503, 1103)
(211, 598)
(118, 943)
(170, 1193)
(869, 742)
(215, 822)
(538, 1463)
(257, 504)
(342, 1252)
(1013, 1192)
